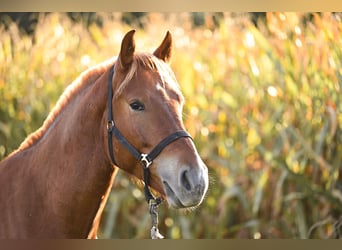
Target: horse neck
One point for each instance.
(72, 160)
(76, 139)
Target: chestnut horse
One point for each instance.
(56, 184)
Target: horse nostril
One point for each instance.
(185, 181)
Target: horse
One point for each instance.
(56, 184)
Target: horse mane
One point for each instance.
(88, 77)
(81, 82)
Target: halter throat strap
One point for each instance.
(145, 159)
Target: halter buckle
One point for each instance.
(144, 160)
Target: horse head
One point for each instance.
(147, 108)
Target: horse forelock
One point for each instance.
(149, 62)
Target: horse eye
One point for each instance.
(137, 106)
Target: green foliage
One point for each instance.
(263, 104)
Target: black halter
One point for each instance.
(145, 159)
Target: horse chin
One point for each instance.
(171, 197)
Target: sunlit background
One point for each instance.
(263, 103)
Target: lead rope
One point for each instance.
(153, 207)
(153, 203)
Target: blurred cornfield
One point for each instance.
(263, 103)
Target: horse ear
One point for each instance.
(164, 51)
(127, 50)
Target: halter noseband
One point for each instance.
(145, 159)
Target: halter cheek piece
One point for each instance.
(145, 159)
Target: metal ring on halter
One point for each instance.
(110, 125)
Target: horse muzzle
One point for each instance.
(186, 186)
